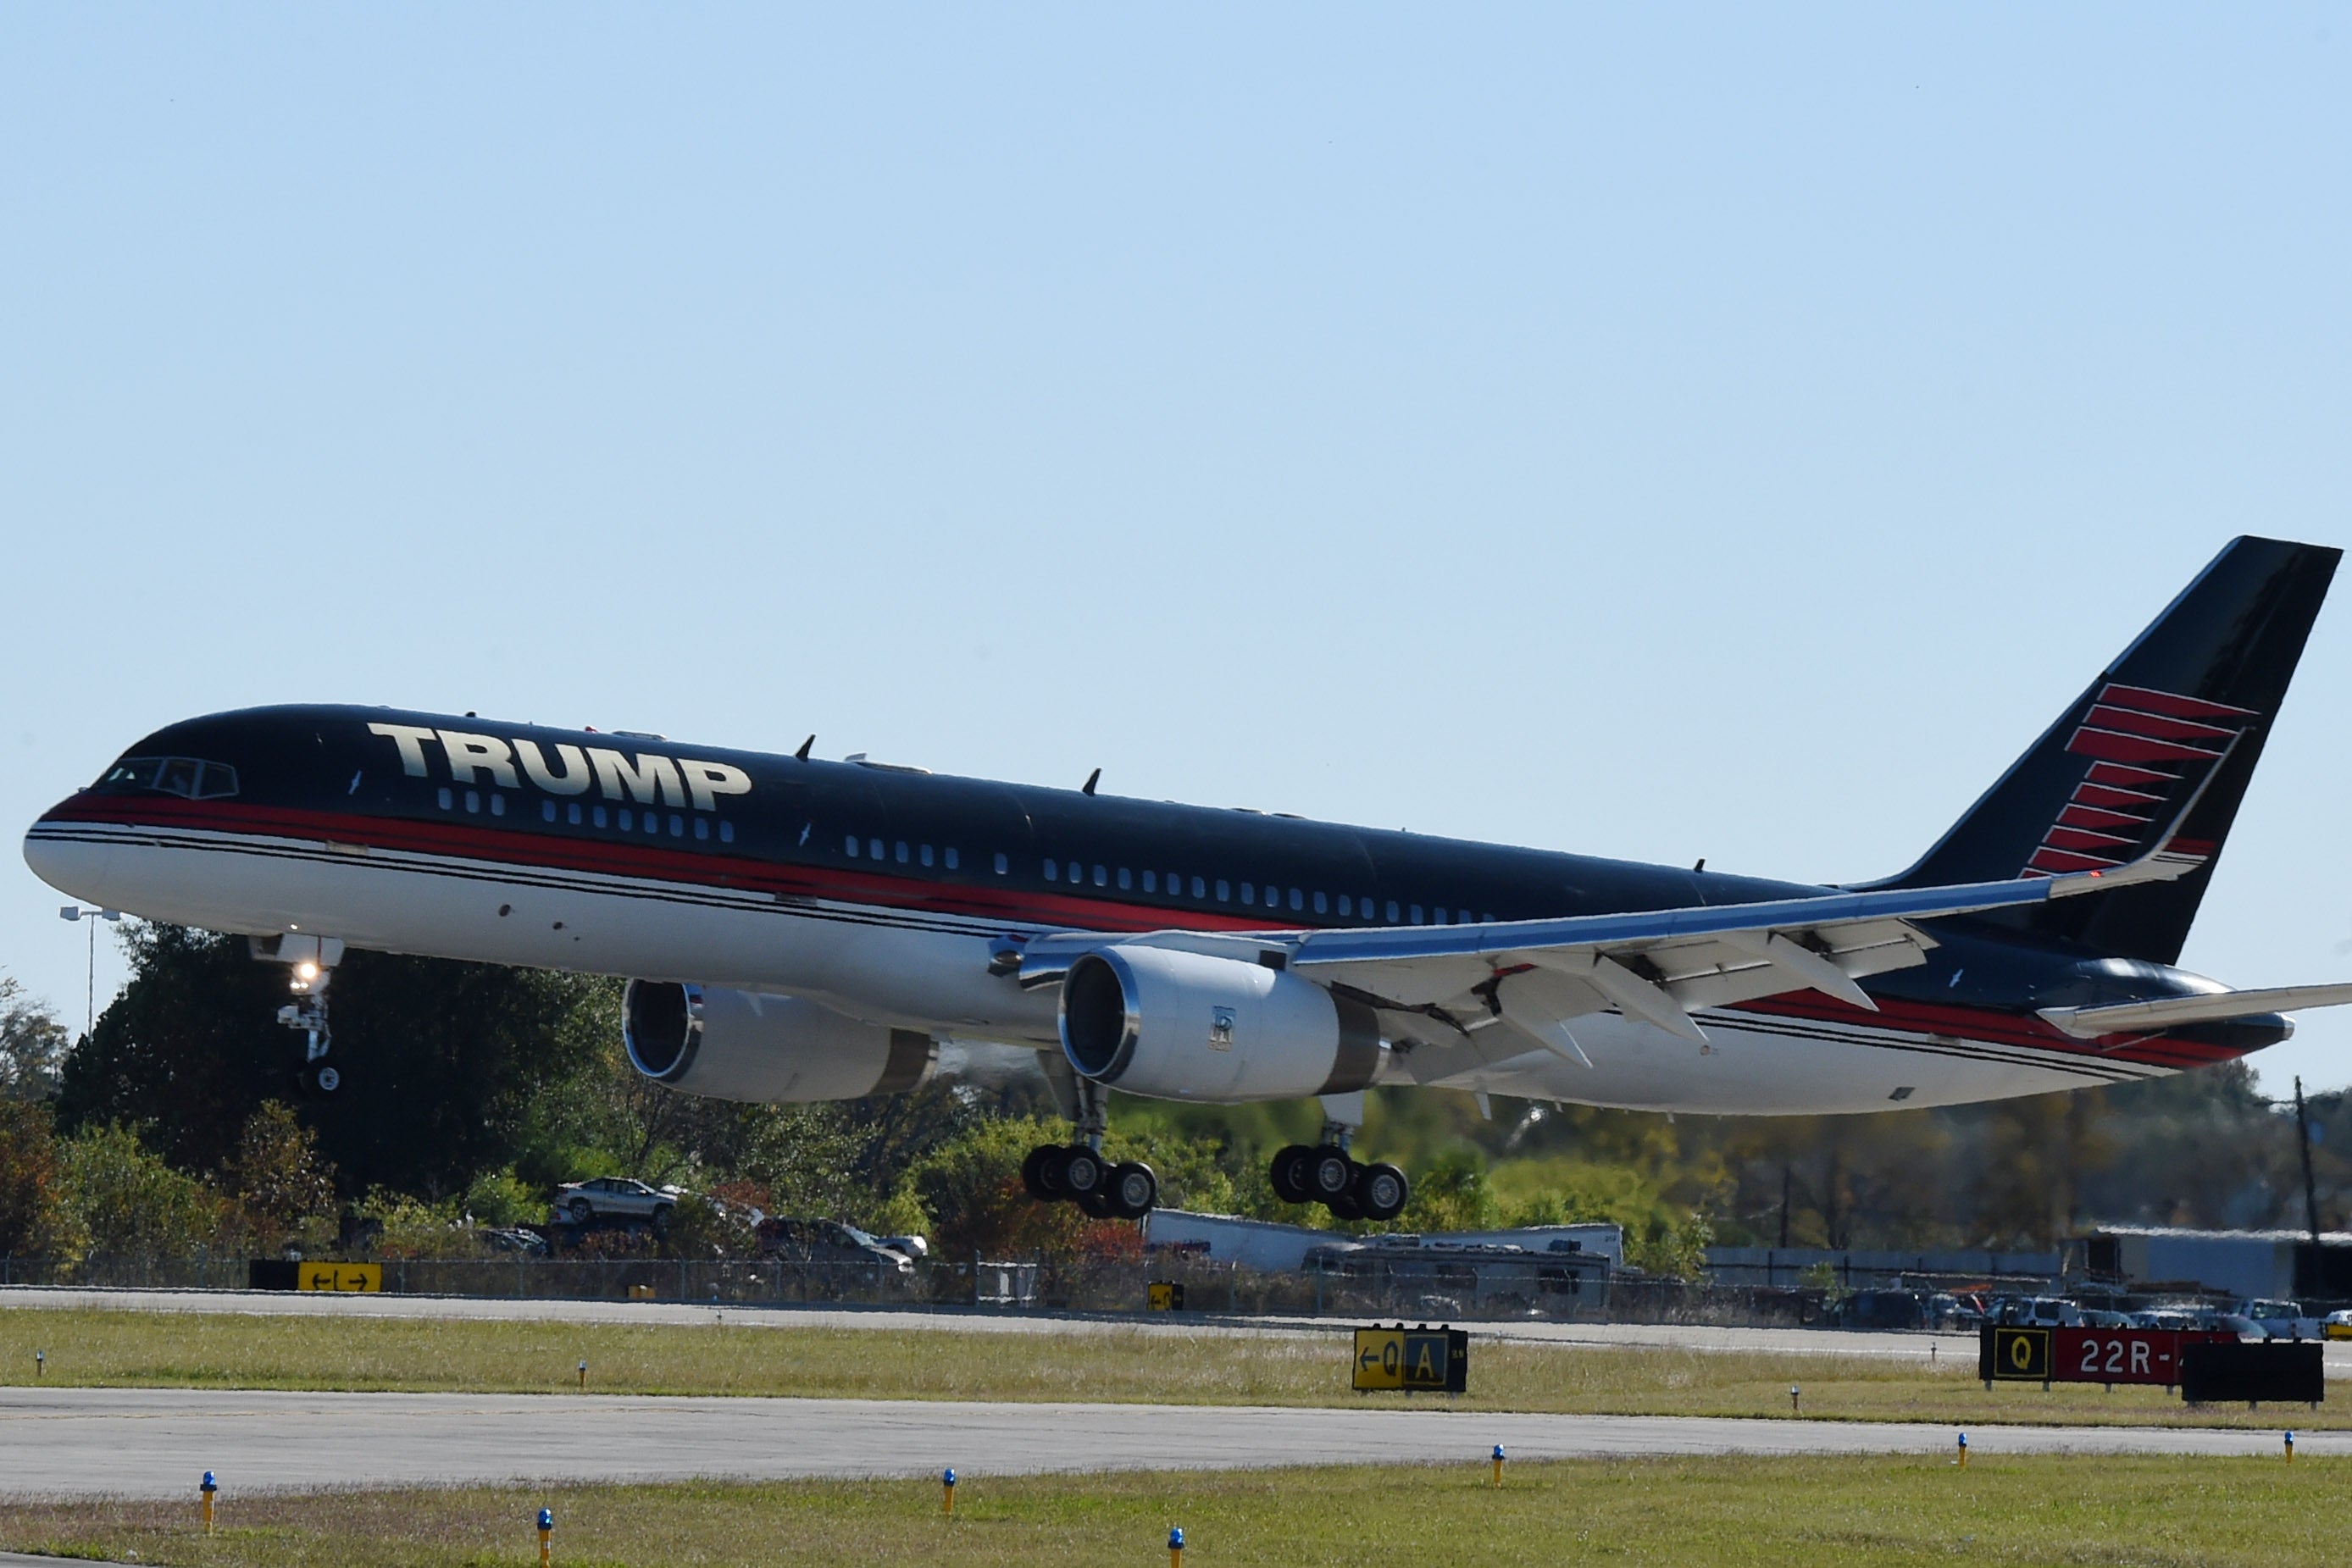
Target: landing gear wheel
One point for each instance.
(1081, 1173)
(1133, 1190)
(1381, 1191)
(1330, 1173)
(581, 1210)
(1288, 1174)
(1099, 1205)
(326, 1080)
(1035, 1172)
(1345, 1207)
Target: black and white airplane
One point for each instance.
(801, 930)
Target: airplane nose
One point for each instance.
(68, 859)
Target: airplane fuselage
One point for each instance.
(882, 892)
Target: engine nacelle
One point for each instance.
(769, 1049)
(1189, 1026)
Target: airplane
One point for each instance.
(793, 929)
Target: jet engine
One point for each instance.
(1189, 1026)
(769, 1049)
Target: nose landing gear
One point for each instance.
(311, 961)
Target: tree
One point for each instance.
(126, 1200)
(34, 1220)
(31, 1045)
(277, 1175)
(444, 1064)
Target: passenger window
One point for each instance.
(1298, 899)
(444, 797)
(703, 828)
(497, 804)
(1151, 881)
(850, 845)
(1460, 917)
(1437, 915)
(628, 820)
(1224, 891)
(474, 801)
(1102, 877)
(600, 816)
(1392, 912)
(1416, 914)
(901, 849)
(927, 854)
(1322, 906)
(951, 857)
(1004, 864)
(726, 833)
(1126, 880)
(676, 826)
(547, 810)
(1175, 885)
(572, 813)
(1249, 892)
(1200, 889)
(1053, 872)
(873, 848)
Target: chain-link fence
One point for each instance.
(1116, 1285)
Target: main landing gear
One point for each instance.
(1325, 1173)
(1078, 1173)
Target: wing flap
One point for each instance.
(2216, 1007)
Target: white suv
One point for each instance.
(615, 1198)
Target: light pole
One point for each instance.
(75, 912)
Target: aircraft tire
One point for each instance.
(1080, 1172)
(1098, 1203)
(1134, 1189)
(1035, 1170)
(1329, 1173)
(1287, 1174)
(1345, 1207)
(1381, 1192)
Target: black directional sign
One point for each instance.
(2015, 1354)
(1437, 1360)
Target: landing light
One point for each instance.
(307, 969)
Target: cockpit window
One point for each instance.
(183, 776)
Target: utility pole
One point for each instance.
(2310, 1188)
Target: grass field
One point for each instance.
(229, 1351)
(2149, 1511)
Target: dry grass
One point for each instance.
(1114, 1366)
(2152, 1511)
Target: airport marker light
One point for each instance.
(1498, 1466)
(1175, 1546)
(947, 1491)
(2290, 1448)
(1964, 1450)
(206, 1487)
(546, 1529)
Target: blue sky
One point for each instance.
(1652, 432)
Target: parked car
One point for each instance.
(2280, 1320)
(2177, 1318)
(615, 1198)
(828, 1241)
(915, 1247)
(2040, 1311)
(2336, 1325)
(2100, 1318)
(513, 1239)
(1882, 1310)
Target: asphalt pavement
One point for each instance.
(86, 1442)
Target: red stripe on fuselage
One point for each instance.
(553, 852)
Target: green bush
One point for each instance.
(125, 1201)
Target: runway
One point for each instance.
(86, 1442)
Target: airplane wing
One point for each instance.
(2217, 1007)
(1652, 965)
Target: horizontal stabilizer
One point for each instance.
(2164, 1012)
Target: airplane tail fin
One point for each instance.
(2152, 759)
